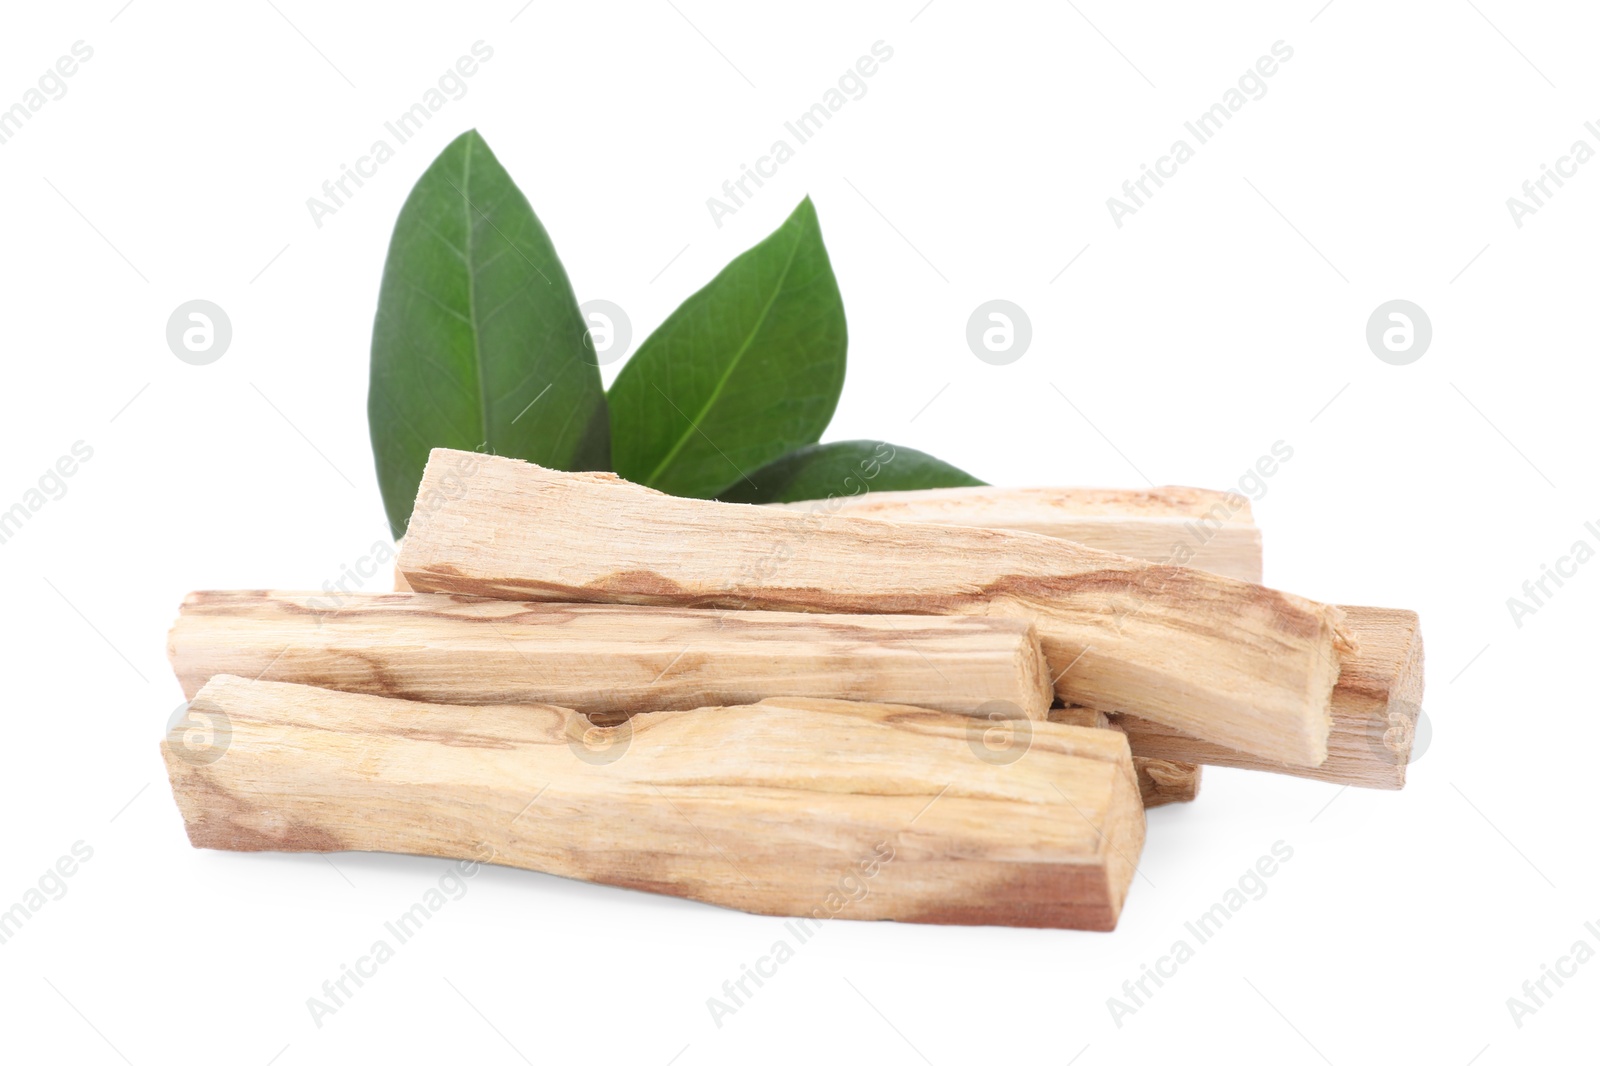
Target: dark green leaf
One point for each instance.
(746, 370)
(478, 341)
(846, 468)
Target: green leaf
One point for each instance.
(846, 468)
(478, 341)
(746, 370)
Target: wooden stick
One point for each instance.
(814, 808)
(1376, 701)
(1202, 528)
(606, 659)
(1375, 712)
(1243, 666)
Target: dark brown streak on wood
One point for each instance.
(648, 588)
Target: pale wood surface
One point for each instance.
(1243, 666)
(1378, 696)
(603, 658)
(1202, 528)
(1161, 781)
(769, 808)
(1375, 710)
(1087, 717)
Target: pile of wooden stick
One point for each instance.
(972, 693)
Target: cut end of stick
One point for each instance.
(1375, 712)
(1163, 781)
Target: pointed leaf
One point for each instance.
(478, 341)
(846, 468)
(746, 370)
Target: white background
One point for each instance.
(1227, 314)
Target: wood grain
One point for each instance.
(1243, 666)
(773, 808)
(606, 659)
(1201, 528)
(1161, 781)
(1376, 707)
(1378, 697)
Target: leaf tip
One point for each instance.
(467, 138)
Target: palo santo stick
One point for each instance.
(1376, 701)
(1237, 664)
(606, 659)
(788, 807)
(1375, 710)
(1161, 781)
(1201, 528)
